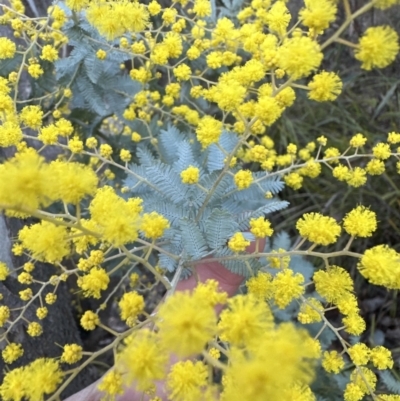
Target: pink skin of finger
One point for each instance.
(228, 282)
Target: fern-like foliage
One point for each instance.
(220, 226)
(202, 217)
(193, 239)
(392, 384)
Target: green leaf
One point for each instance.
(219, 227)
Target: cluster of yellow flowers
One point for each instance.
(245, 334)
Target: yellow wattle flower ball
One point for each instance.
(208, 131)
(131, 305)
(190, 175)
(179, 332)
(12, 352)
(72, 353)
(318, 14)
(153, 225)
(299, 56)
(261, 227)
(360, 222)
(7, 48)
(238, 243)
(332, 362)
(333, 284)
(319, 229)
(187, 380)
(378, 47)
(380, 265)
(143, 360)
(243, 179)
(325, 86)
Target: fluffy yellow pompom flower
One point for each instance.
(278, 18)
(381, 151)
(360, 222)
(359, 354)
(310, 311)
(49, 298)
(356, 177)
(114, 19)
(381, 358)
(325, 86)
(209, 293)
(393, 138)
(34, 329)
(49, 53)
(228, 94)
(13, 384)
(46, 241)
(286, 287)
(332, 362)
(258, 153)
(105, 150)
(143, 360)
(288, 351)
(354, 324)
(118, 220)
(89, 320)
(321, 230)
(10, 134)
(72, 353)
(154, 8)
(4, 314)
(77, 5)
(364, 378)
(318, 14)
(75, 145)
(380, 265)
(12, 352)
(208, 131)
(32, 116)
(268, 109)
(191, 175)
(202, 8)
(333, 283)
(299, 56)
(179, 330)
(112, 384)
(378, 47)
(7, 48)
(243, 179)
(41, 377)
(153, 225)
(358, 140)
(3, 271)
(238, 242)
(182, 72)
(131, 305)
(25, 181)
(187, 380)
(347, 304)
(246, 320)
(261, 227)
(97, 280)
(375, 167)
(260, 286)
(35, 70)
(73, 181)
(294, 180)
